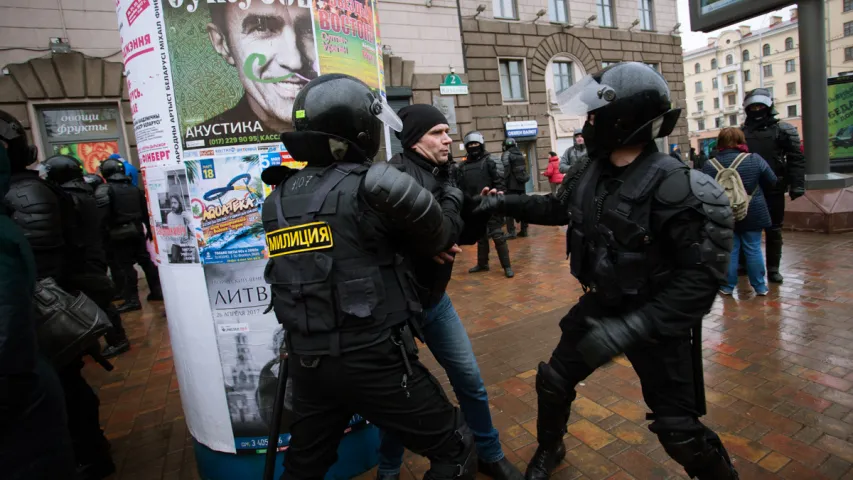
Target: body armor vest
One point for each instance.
(88, 237)
(765, 142)
(614, 254)
(475, 175)
(125, 204)
(336, 287)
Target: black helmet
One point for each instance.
(759, 96)
(630, 100)
(21, 153)
(473, 137)
(93, 180)
(62, 168)
(340, 107)
(110, 167)
(509, 143)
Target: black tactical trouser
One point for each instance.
(101, 290)
(115, 270)
(510, 222)
(373, 382)
(666, 374)
(81, 403)
(130, 252)
(493, 231)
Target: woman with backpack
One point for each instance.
(743, 175)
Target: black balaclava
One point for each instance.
(417, 121)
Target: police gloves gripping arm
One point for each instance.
(429, 223)
(535, 209)
(794, 159)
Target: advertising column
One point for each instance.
(212, 86)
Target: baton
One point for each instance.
(272, 441)
(698, 370)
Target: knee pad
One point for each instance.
(456, 459)
(552, 387)
(699, 458)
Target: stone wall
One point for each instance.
(486, 41)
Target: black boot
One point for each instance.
(387, 476)
(503, 253)
(523, 232)
(130, 306)
(510, 229)
(155, 297)
(479, 268)
(703, 457)
(554, 406)
(117, 348)
(508, 273)
(500, 470)
(773, 252)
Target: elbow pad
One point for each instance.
(399, 196)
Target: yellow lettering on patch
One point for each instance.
(300, 238)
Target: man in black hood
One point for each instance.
(779, 144)
(425, 137)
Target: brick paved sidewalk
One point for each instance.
(778, 369)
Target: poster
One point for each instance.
(346, 38)
(237, 68)
(171, 217)
(226, 198)
(840, 98)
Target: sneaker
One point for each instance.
(726, 291)
(762, 293)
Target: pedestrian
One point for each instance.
(516, 178)
(756, 176)
(129, 226)
(345, 294)
(574, 154)
(48, 217)
(650, 243)
(34, 439)
(778, 143)
(426, 146)
(479, 171)
(555, 178)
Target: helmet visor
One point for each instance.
(585, 96)
(759, 98)
(386, 114)
(474, 137)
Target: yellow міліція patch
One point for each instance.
(300, 238)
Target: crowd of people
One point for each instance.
(71, 227)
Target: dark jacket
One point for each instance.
(430, 275)
(757, 176)
(515, 170)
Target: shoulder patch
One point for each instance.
(674, 188)
(706, 189)
(299, 239)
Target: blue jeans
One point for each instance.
(448, 341)
(750, 242)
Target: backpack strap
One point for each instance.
(716, 164)
(738, 160)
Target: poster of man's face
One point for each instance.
(272, 48)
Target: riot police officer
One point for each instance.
(337, 232)
(127, 213)
(778, 143)
(87, 242)
(649, 240)
(48, 218)
(479, 171)
(515, 171)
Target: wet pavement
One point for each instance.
(778, 371)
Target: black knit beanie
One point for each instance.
(417, 121)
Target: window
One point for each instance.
(562, 75)
(747, 75)
(733, 119)
(698, 68)
(792, 109)
(768, 71)
(607, 63)
(848, 53)
(792, 88)
(559, 11)
(75, 130)
(789, 43)
(512, 80)
(714, 83)
(746, 55)
(698, 87)
(765, 50)
(504, 8)
(848, 29)
(731, 100)
(646, 15)
(729, 59)
(700, 124)
(605, 13)
(713, 64)
(790, 66)
(848, 5)
(716, 104)
(730, 79)
(700, 106)
(718, 122)
(654, 66)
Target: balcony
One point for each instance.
(730, 88)
(698, 113)
(731, 108)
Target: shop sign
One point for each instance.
(80, 122)
(526, 128)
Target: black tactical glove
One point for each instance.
(610, 336)
(489, 204)
(796, 192)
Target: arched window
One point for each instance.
(713, 64)
(766, 49)
(729, 60)
(745, 55)
(697, 68)
(789, 43)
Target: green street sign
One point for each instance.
(452, 85)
